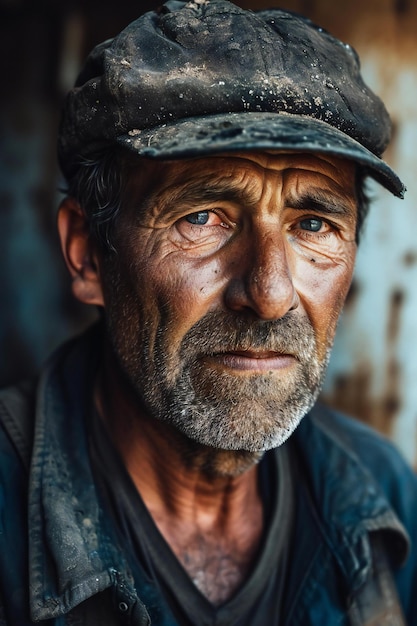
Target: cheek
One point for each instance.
(323, 292)
(160, 287)
(183, 291)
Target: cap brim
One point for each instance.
(231, 132)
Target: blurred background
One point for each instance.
(373, 371)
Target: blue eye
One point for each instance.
(312, 224)
(200, 218)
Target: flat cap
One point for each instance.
(204, 77)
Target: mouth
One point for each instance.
(253, 360)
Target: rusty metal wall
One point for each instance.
(373, 371)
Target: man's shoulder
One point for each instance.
(16, 434)
(64, 373)
(17, 410)
(355, 451)
(359, 440)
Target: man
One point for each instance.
(173, 464)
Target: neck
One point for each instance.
(155, 453)
(203, 500)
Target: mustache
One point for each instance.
(220, 332)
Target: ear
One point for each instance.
(80, 253)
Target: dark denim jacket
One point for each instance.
(60, 560)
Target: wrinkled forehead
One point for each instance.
(268, 161)
(246, 178)
(246, 168)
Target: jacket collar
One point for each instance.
(72, 555)
(73, 552)
(350, 502)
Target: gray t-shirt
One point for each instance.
(163, 584)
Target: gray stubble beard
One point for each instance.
(215, 409)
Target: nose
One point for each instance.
(261, 281)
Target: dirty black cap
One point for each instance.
(203, 77)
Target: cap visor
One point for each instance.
(231, 132)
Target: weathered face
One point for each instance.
(223, 299)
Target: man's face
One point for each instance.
(223, 298)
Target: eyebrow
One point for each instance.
(322, 202)
(201, 190)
